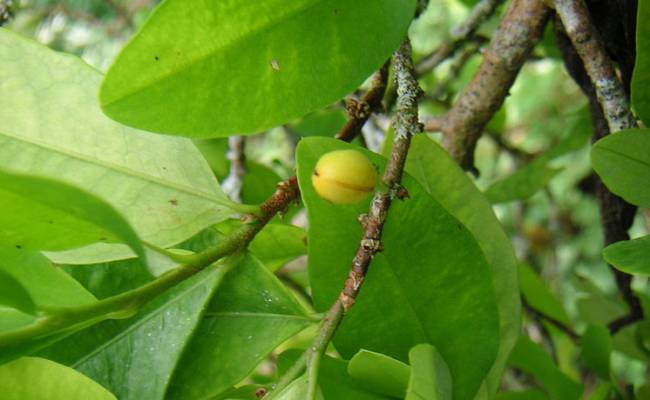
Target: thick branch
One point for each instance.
(406, 125)
(459, 35)
(609, 90)
(520, 29)
(542, 316)
(588, 63)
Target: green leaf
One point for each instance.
(258, 183)
(529, 357)
(297, 390)
(278, 244)
(622, 160)
(214, 68)
(538, 295)
(379, 373)
(320, 123)
(37, 379)
(596, 349)
(43, 214)
(46, 285)
(333, 378)
(14, 295)
(631, 256)
(522, 184)
(448, 184)
(136, 359)
(431, 284)
(250, 315)
(430, 378)
(51, 126)
(110, 279)
(641, 75)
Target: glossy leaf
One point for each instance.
(641, 75)
(278, 244)
(297, 390)
(596, 349)
(522, 184)
(14, 295)
(430, 378)
(43, 214)
(622, 160)
(218, 68)
(379, 373)
(51, 126)
(250, 315)
(47, 286)
(431, 284)
(532, 394)
(136, 360)
(448, 184)
(38, 379)
(539, 296)
(320, 123)
(333, 378)
(529, 357)
(631, 256)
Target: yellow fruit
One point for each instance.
(344, 177)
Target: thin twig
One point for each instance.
(360, 111)
(233, 183)
(520, 29)
(406, 125)
(610, 113)
(458, 35)
(541, 315)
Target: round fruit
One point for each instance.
(344, 177)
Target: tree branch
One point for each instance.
(233, 183)
(610, 112)
(520, 29)
(406, 125)
(542, 316)
(360, 111)
(458, 35)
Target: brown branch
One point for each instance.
(590, 66)
(233, 183)
(609, 90)
(458, 35)
(542, 316)
(520, 29)
(360, 111)
(406, 125)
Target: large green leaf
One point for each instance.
(278, 244)
(641, 75)
(250, 315)
(48, 286)
(14, 295)
(136, 359)
(379, 373)
(622, 160)
(431, 284)
(538, 295)
(529, 357)
(51, 126)
(43, 214)
(631, 256)
(214, 68)
(430, 378)
(448, 184)
(31, 378)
